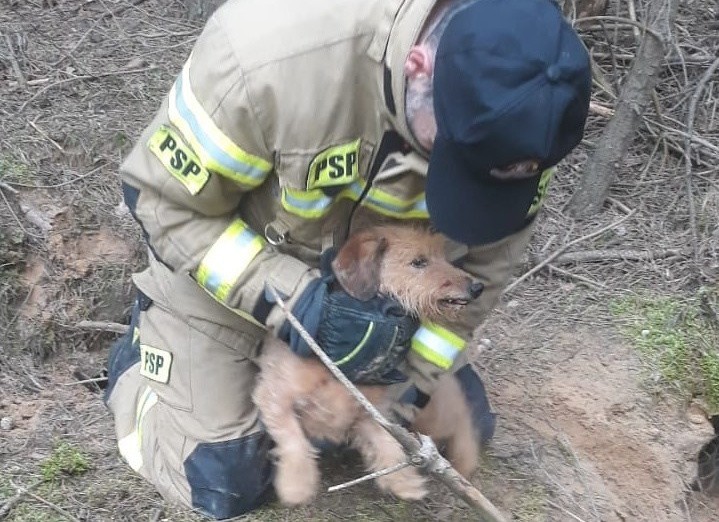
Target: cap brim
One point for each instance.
(472, 207)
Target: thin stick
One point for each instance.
(422, 453)
(53, 507)
(56, 185)
(44, 135)
(575, 517)
(594, 256)
(17, 219)
(601, 110)
(556, 254)
(13, 501)
(633, 17)
(103, 326)
(83, 77)
(86, 381)
(620, 20)
(687, 155)
(586, 280)
(380, 473)
(11, 190)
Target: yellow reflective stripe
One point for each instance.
(130, 446)
(228, 257)
(313, 204)
(542, 189)
(216, 151)
(393, 206)
(357, 348)
(437, 345)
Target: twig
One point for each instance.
(621, 206)
(44, 135)
(103, 326)
(53, 506)
(422, 453)
(17, 219)
(586, 280)
(575, 517)
(591, 256)
(56, 185)
(380, 473)
(696, 139)
(620, 20)
(556, 254)
(633, 17)
(687, 155)
(83, 77)
(86, 381)
(21, 80)
(5, 186)
(12, 501)
(601, 110)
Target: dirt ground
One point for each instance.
(589, 428)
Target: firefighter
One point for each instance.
(291, 125)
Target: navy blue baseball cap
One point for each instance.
(511, 84)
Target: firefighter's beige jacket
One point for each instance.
(285, 130)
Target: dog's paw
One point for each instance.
(297, 480)
(406, 484)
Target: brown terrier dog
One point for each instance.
(299, 399)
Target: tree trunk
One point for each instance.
(634, 97)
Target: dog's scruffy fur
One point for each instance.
(300, 400)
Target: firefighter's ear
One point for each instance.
(358, 264)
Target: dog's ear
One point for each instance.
(358, 264)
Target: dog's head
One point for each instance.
(408, 264)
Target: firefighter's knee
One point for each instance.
(232, 477)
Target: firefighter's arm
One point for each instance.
(186, 178)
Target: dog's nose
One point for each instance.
(475, 289)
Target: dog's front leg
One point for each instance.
(380, 450)
(297, 475)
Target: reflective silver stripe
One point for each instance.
(217, 152)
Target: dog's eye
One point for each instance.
(419, 262)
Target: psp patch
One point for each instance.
(178, 159)
(542, 189)
(155, 363)
(334, 166)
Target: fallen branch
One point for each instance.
(52, 506)
(422, 453)
(593, 256)
(556, 254)
(15, 499)
(103, 326)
